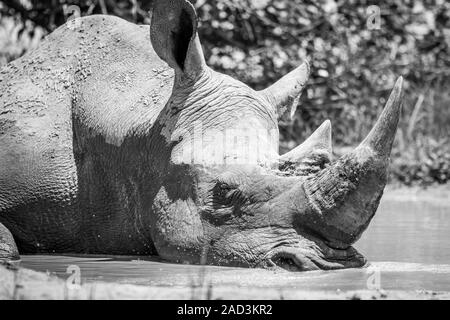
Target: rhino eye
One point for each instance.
(228, 195)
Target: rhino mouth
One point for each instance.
(299, 259)
(288, 261)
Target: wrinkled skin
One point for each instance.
(109, 144)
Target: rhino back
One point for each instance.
(120, 82)
(98, 78)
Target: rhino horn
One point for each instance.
(343, 197)
(285, 93)
(313, 152)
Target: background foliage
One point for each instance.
(354, 65)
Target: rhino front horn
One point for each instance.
(343, 197)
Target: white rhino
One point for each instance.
(118, 139)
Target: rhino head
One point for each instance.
(227, 197)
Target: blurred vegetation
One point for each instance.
(355, 60)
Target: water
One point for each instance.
(407, 243)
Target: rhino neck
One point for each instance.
(191, 95)
(201, 115)
(188, 108)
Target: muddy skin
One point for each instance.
(109, 144)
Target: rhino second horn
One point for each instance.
(312, 154)
(285, 93)
(343, 197)
(320, 139)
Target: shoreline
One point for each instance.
(438, 195)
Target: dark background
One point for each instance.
(356, 57)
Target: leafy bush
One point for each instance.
(16, 38)
(424, 165)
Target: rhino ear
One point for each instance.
(173, 32)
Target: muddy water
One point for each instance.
(408, 244)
